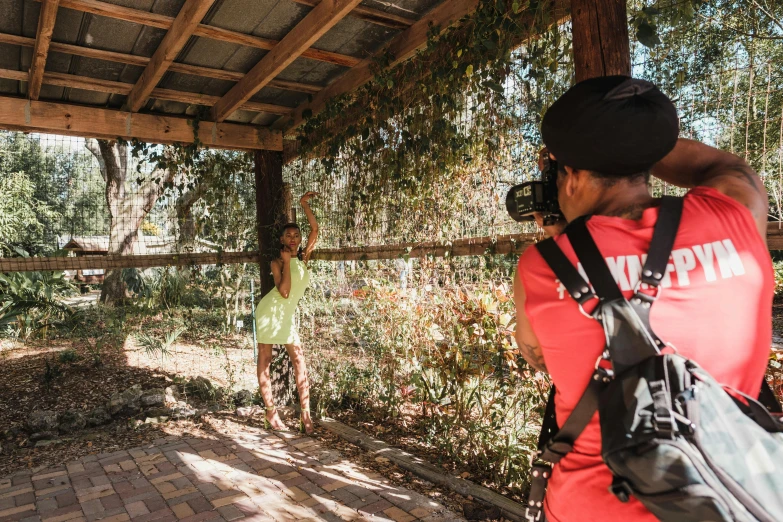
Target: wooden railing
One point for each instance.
(475, 246)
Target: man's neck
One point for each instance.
(625, 201)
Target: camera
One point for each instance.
(536, 196)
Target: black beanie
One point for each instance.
(614, 125)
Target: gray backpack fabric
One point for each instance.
(686, 447)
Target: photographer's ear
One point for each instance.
(571, 180)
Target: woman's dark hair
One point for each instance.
(300, 252)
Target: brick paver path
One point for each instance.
(257, 475)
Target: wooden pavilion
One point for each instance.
(145, 69)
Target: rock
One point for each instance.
(71, 421)
(155, 397)
(172, 394)
(42, 420)
(214, 406)
(200, 387)
(158, 412)
(43, 435)
(243, 398)
(48, 442)
(126, 402)
(182, 410)
(98, 417)
(249, 411)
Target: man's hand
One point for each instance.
(549, 230)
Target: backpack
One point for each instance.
(687, 447)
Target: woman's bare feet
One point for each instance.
(273, 420)
(307, 422)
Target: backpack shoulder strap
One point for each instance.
(662, 242)
(571, 279)
(592, 261)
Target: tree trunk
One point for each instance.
(127, 208)
(271, 213)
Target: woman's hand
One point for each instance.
(304, 200)
(285, 255)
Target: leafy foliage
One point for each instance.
(30, 302)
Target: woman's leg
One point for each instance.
(302, 384)
(265, 385)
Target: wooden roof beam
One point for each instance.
(177, 36)
(317, 22)
(402, 47)
(374, 16)
(142, 61)
(92, 122)
(43, 38)
(112, 87)
(138, 16)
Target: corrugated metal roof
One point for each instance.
(271, 19)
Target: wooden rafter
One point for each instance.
(317, 22)
(375, 16)
(147, 18)
(142, 61)
(177, 36)
(402, 47)
(43, 37)
(112, 87)
(78, 120)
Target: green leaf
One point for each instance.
(647, 35)
(494, 86)
(651, 11)
(469, 70)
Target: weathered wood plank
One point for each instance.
(402, 47)
(375, 16)
(142, 61)
(78, 120)
(147, 18)
(317, 22)
(43, 38)
(177, 36)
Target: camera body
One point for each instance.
(536, 196)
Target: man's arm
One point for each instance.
(527, 342)
(691, 164)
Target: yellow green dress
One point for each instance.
(275, 314)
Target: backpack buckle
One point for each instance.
(664, 422)
(621, 489)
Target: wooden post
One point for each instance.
(288, 204)
(601, 45)
(270, 215)
(269, 198)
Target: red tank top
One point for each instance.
(715, 307)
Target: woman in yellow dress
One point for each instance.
(275, 315)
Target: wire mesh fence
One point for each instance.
(69, 196)
(717, 62)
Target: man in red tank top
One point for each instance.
(715, 306)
